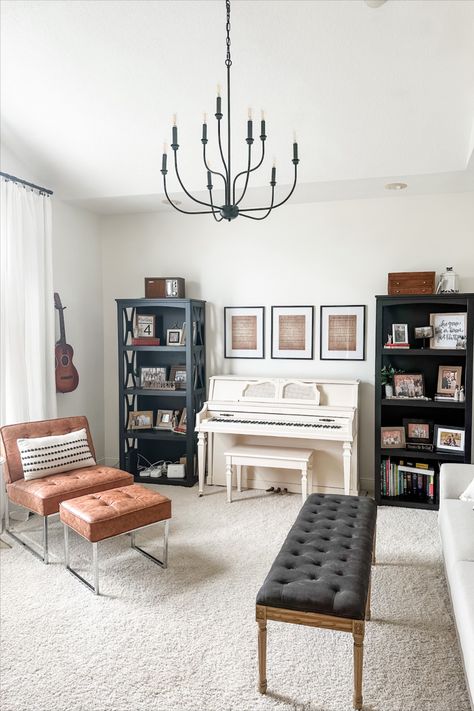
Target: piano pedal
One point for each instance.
(278, 490)
(272, 488)
(285, 491)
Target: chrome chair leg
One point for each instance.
(44, 556)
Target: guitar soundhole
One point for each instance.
(64, 360)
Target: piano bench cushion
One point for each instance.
(324, 564)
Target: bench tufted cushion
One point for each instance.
(324, 564)
(110, 513)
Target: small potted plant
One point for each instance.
(386, 378)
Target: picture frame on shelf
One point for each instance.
(408, 385)
(144, 326)
(342, 332)
(181, 426)
(399, 334)
(418, 432)
(152, 378)
(174, 336)
(449, 439)
(292, 332)
(392, 437)
(140, 420)
(165, 419)
(449, 379)
(449, 329)
(178, 376)
(244, 332)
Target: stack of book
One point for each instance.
(142, 341)
(410, 479)
(396, 345)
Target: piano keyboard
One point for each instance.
(277, 423)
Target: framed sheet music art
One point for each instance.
(244, 332)
(292, 332)
(342, 333)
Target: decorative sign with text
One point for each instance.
(449, 330)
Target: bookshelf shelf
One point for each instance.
(415, 311)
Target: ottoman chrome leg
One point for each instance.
(163, 563)
(95, 564)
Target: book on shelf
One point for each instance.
(447, 398)
(411, 479)
(145, 341)
(396, 345)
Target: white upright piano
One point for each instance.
(321, 414)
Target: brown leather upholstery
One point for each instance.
(43, 496)
(109, 513)
(12, 469)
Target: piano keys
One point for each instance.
(321, 413)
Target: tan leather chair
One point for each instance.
(43, 496)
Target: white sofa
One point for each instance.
(456, 525)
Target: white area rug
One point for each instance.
(185, 638)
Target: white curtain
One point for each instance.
(27, 336)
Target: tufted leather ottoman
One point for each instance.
(321, 576)
(111, 513)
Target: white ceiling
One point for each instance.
(89, 89)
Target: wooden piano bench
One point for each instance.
(246, 455)
(321, 576)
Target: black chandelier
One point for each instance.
(230, 210)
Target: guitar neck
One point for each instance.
(62, 330)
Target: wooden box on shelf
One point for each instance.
(418, 486)
(411, 283)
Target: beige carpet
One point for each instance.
(185, 638)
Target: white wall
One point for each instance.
(323, 253)
(77, 276)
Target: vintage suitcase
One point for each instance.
(411, 283)
(164, 287)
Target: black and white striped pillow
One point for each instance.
(42, 456)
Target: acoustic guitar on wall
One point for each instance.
(67, 377)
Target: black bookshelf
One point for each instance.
(155, 445)
(415, 311)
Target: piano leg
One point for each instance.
(201, 461)
(346, 453)
(304, 483)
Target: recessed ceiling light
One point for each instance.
(176, 202)
(396, 186)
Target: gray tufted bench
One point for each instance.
(321, 576)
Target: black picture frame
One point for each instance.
(407, 421)
(227, 347)
(322, 309)
(311, 337)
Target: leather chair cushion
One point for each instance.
(44, 495)
(324, 564)
(110, 513)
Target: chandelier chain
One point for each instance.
(228, 60)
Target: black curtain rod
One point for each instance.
(25, 182)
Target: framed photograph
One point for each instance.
(392, 437)
(292, 332)
(449, 330)
(418, 431)
(178, 376)
(174, 336)
(342, 333)
(399, 333)
(165, 419)
(244, 332)
(152, 378)
(140, 420)
(424, 332)
(144, 326)
(409, 385)
(181, 426)
(449, 378)
(449, 439)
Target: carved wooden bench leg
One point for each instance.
(262, 651)
(358, 629)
